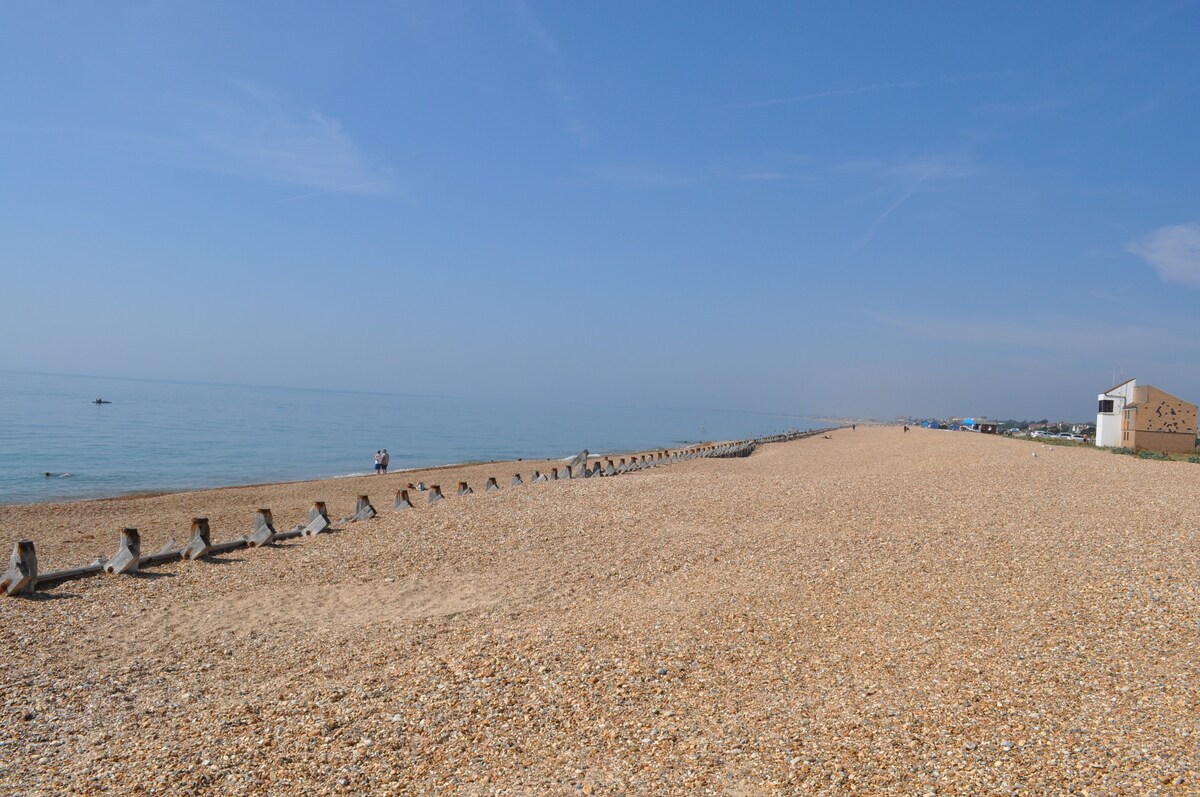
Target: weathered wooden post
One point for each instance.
(464, 489)
(402, 501)
(363, 509)
(491, 485)
(200, 540)
(21, 576)
(129, 553)
(435, 493)
(264, 529)
(318, 520)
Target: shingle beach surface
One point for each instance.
(879, 613)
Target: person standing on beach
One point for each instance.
(378, 462)
(384, 461)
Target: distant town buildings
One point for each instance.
(1142, 417)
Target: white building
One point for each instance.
(1112, 406)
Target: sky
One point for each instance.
(851, 209)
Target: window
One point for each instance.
(1106, 405)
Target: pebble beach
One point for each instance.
(879, 613)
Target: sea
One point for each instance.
(56, 444)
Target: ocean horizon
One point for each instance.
(165, 436)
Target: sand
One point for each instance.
(880, 613)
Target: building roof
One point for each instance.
(1119, 384)
(1160, 390)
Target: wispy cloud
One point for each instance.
(555, 81)
(867, 88)
(1174, 252)
(913, 174)
(640, 174)
(1066, 334)
(660, 175)
(349, 189)
(263, 135)
(1039, 104)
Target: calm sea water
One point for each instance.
(169, 436)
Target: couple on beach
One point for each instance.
(381, 461)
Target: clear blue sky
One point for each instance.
(850, 208)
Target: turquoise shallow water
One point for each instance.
(169, 436)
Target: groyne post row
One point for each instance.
(22, 576)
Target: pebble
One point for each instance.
(834, 619)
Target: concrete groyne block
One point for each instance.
(491, 484)
(464, 488)
(129, 553)
(363, 509)
(264, 529)
(516, 480)
(199, 541)
(21, 576)
(318, 520)
(435, 494)
(402, 501)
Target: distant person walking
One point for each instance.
(385, 461)
(378, 462)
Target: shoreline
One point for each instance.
(151, 492)
(70, 534)
(138, 494)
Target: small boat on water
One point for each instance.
(101, 401)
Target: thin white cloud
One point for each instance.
(658, 175)
(867, 88)
(631, 173)
(820, 95)
(1174, 252)
(555, 81)
(914, 174)
(1063, 334)
(262, 135)
(882, 217)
